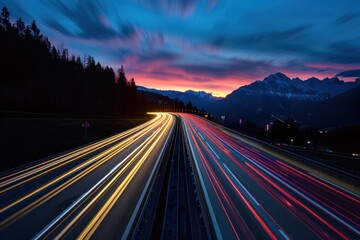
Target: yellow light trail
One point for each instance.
(96, 221)
(108, 186)
(106, 155)
(48, 166)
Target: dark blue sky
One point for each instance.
(210, 45)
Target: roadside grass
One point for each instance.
(26, 137)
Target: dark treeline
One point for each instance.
(38, 77)
(160, 103)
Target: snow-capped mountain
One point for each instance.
(279, 84)
(197, 98)
(281, 97)
(311, 102)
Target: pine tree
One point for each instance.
(35, 31)
(20, 26)
(5, 19)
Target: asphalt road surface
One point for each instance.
(97, 191)
(92, 192)
(253, 195)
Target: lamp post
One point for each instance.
(267, 128)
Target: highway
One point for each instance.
(251, 193)
(230, 186)
(96, 191)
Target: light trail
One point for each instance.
(52, 164)
(98, 159)
(90, 191)
(244, 174)
(248, 191)
(55, 179)
(96, 221)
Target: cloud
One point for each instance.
(345, 52)
(324, 70)
(231, 67)
(202, 42)
(89, 20)
(159, 56)
(300, 66)
(16, 8)
(54, 24)
(202, 79)
(165, 75)
(349, 73)
(172, 7)
(151, 41)
(264, 40)
(346, 18)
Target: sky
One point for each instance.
(211, 45)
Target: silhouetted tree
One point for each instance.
(27, 33)
(35, 31)
(50, 81)
(189, 106)
(121, 84)
(20, 26)
(5, 19)
(132, 98)
(78, 61)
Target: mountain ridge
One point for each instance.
(197, 98)
(309, 89)
(308, 101)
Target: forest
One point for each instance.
(38, 77)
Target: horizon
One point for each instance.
(347, 79)
(203, 45)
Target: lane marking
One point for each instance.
(84, 195)
(236, 151)
(206, 195)
(308, 199)
(283, 234)
(212, 150)
(241, 185)
(301, 194)
(135, 212)
(201, 136)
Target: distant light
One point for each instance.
(308, 142)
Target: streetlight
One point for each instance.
(292, 141)
(308, 143)
(223, 119)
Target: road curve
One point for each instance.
(94, 192)
(251, 194)
(98, 191)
